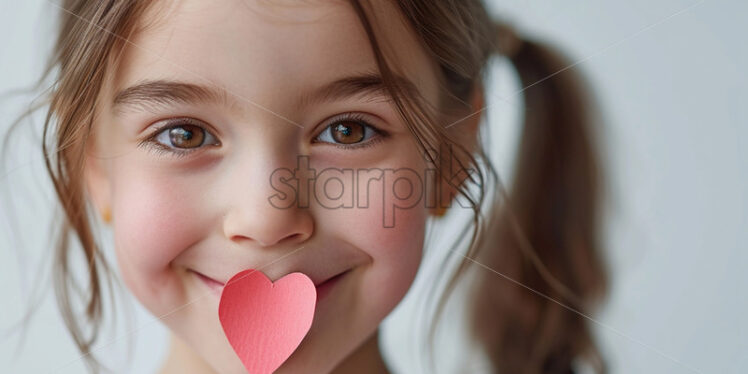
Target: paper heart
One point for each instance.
(264, 321)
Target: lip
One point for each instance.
(213, 284)
(324, 288)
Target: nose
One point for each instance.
(261, 223)
(252, 219)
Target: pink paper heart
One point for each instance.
(264, 321)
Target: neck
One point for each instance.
(367, 359)
(182, 359)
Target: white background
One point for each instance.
(670, 78)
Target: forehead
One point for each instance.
(270, 49)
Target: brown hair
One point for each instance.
(541, 234)
(545, 235)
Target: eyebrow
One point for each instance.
(361, 85)
(151, 93)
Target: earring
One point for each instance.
(440, 211)
(106, 215)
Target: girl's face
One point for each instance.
(244, 89)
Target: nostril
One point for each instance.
(267, 230)
(295, 237)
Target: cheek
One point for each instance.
(396, 252)
(393, 238)
(153, 222)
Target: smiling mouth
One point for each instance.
(322, 288)
(213, 284)
(325, 287)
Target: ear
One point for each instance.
(465, 132)
(467, 129)
(97, 180)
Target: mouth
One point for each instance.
(213, 284)
(324, 288)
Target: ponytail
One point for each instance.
(542, 234)
(546, 235)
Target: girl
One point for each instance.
(170, 119)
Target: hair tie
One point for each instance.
(506, 39)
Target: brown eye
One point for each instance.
(350, 130)
(186, 136)
(347, 132)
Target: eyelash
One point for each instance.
(160, 149)
(163, 150)
(360, 119)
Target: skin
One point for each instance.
(209, 212)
